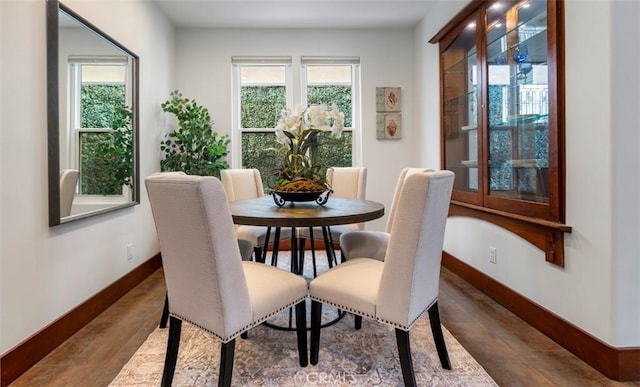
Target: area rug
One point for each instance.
(269, 357)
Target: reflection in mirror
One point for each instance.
(92, 92)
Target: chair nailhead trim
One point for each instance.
(350, 310)
(243, 329)
(229, 338)
(359, 313)
(404, 328)
(412, 323)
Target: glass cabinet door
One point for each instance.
(502, 109)
(518, 100)
(460, 108)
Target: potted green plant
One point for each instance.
(297, 131)
(194, 147)
(300, 176)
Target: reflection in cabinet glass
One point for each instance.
(518, 95)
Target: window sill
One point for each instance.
(546, 235)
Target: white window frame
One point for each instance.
(292, 99)
(74, 103)
(236, 124)
(74, 113)
(354, 63)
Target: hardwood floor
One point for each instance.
(512, 352)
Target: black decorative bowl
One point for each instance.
(281, 197)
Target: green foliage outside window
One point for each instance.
(531, 145)
(106, 158)
(261, 107)
(336, 152)
(98, 104)
(258, 151)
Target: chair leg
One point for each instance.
(358, 322)
(302, 245)
(333, 252)
(328, 245)
(300, 259)
(404, 350)
(263, 255)
(301, 332)
(165, 312)
(257, 253)
(173, 343)
(226, 363)
(313, 253)
(438, 337)
(276, 246)
(316, 316)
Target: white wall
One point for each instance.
(386, 56)
(598, 289)
(46, 272)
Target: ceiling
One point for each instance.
(295, 13)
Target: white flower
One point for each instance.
(338, 121)
(291, 120)
(281, 137)
(317, 117)
(300, 118)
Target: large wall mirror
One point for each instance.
(92, 96)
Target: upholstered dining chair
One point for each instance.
(208, 284)
(246, 250)
(68, 182)
(246, 184)
(373, 244)
(345, 182)
(398, 290)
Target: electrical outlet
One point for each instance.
(129, 251)
(493, 254)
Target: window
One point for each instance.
(332, 81)
(97, 88)
(502, 124)
(264, 86)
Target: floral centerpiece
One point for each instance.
(298, 130)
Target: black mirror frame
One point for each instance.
(53, 115)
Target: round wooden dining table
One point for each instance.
(264, 212)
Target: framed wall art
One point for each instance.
(388, 126)
(388, 119)
(388, 99)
